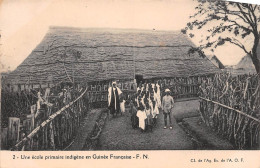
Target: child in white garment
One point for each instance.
(141, 116)
(122, 107)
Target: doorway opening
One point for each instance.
(139, 79)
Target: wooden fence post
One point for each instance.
(4, 141)
(13, 130)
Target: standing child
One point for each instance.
(155, 112)
(133, 112)
(158, 95)
(122, 106)
(167, 105)
(141, 116)
(149, 117)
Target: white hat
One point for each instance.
(114, 82)
(167, 90)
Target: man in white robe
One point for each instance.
(113, 99)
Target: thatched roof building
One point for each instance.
(214, 59)
(104, 54)
(245, 65)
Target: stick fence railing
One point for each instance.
(230, 108)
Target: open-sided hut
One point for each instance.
(96, 56)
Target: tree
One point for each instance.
(227, 22)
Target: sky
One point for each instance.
(23, 24)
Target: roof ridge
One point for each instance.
(112, 29)
(133, 46)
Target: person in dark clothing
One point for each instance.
(133, 111)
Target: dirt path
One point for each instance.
(119, 135)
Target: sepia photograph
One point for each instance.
(152, 75)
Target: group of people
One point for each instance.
(144, 105)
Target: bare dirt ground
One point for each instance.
(118, 133)
(186, 109)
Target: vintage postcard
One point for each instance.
(120, 83)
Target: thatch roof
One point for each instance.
(214, 59)
(245, 66)
(104, 54)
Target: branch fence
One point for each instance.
(51, 127)
(231, 106)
